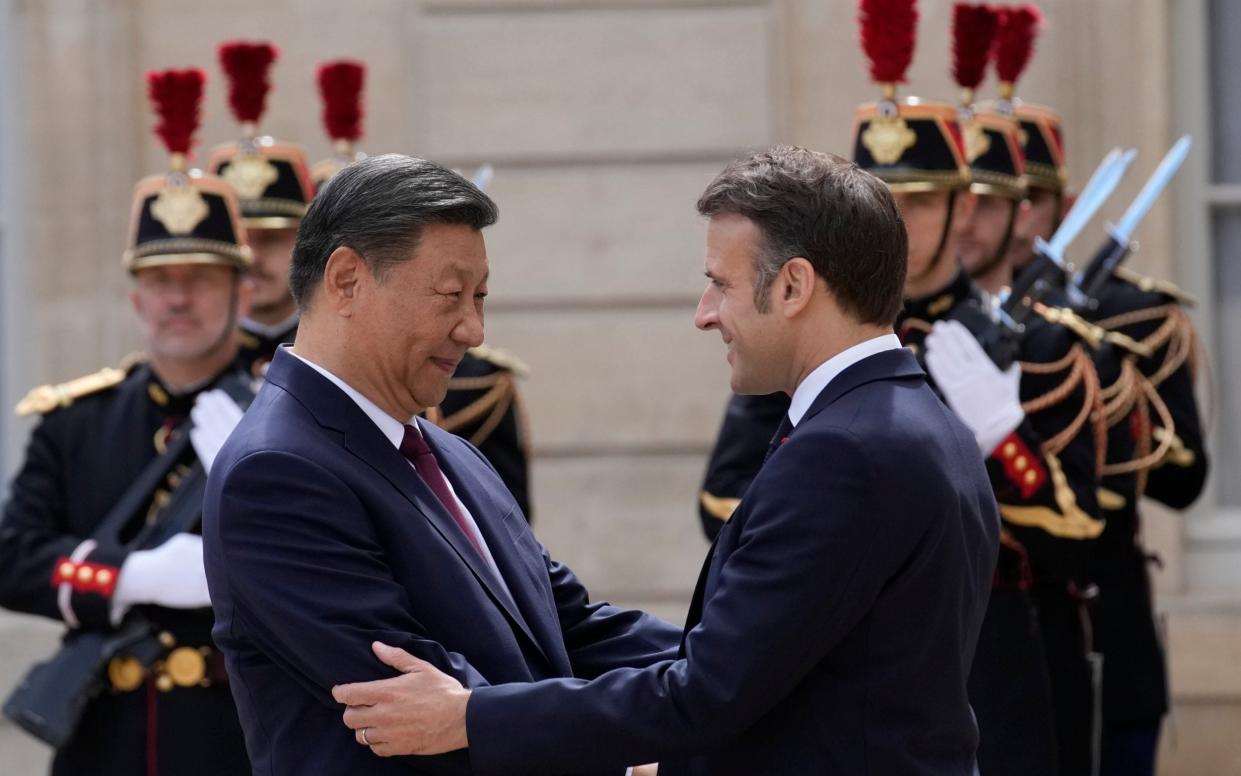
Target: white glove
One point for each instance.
(987, 400)
(170, 575)
(215, 415)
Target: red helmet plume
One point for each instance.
(888, 33)
(1014, 40)
(247, 66)
(340, 84)
(176, 96)
(973, 31)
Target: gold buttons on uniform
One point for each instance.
(103, 577)
(1031, 477)
(125, 673)
(186, 667)
(85, 574)
(66, 570)
(167, 640)
(1020, 463)
(1009, 450)
(164, 683)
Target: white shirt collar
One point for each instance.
(392, 428)
(810, 388)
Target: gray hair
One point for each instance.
(378, 207)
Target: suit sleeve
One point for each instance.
(786, 595)
(40, 554)
(308, 577)
(749, 423)
(600, 637)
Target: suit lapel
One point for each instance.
(523, 573)
(333, 409)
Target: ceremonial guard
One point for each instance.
(482, 403)
(272, 178)
(100, 530)
(1059, 391)
(1156, 448)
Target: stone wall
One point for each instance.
(604, 120)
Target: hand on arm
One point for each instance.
(309, 577)
(422, 711)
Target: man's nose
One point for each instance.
(706, 317)
(470, 331)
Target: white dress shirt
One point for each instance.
(809, 389)
(394, 430)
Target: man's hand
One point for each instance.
(420, 712)
(215, 415)
(987, 400)
(650, 769)
(171, 575)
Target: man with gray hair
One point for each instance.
(335, 517)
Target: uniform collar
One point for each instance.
(933, 307)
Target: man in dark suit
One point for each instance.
(335, 518)
(834, 622)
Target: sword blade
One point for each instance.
(1086, 206)
(1159, 180)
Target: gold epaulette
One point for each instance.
(46, 398)
(1062, 316)
(501, 359)
(1156, 286)
(1110, 499)
(719, 507)
(247, 340)
(1090, 333)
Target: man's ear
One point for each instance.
(342, 277)
(795, 286)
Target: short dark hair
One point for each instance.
(378, 207)
(840, 218)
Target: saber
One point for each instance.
(1119, 241)
(483, 177)
(1041, 275)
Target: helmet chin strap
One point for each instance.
(938, 256)
(994, 260)
(234, 302)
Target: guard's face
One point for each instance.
(273, 253)
(186, 311)
(753, 338)
(1038, 218)
(422, 315)
(924, 213)
(979, 239)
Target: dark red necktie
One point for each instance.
(415, 448)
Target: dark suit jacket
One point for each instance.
(321, 538)
(839, 612)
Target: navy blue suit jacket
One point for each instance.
(321, 538)
(834, 622)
